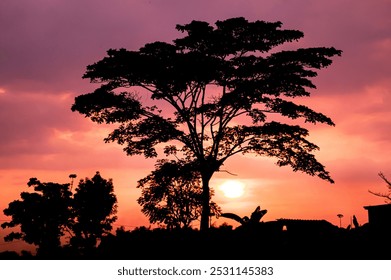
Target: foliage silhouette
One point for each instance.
(72, 177)
(387, 196)
(52, 211)
(340, 216)
(43, 216)
(355, 222)
(94, 208)
(211, 95)
(306, 240)
(255, 217)
(172, 194)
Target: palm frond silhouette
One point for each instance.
(255, 216)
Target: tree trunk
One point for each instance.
(205, 214)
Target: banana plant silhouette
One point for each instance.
(255, 217)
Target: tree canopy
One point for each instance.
(94, 207)
(172, 194)
(43, 216)
(210, 95)
(52, 211)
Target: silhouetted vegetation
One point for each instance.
(94, 208)
(278, 240)
(43, 216)
(355, 222)
(250, 79)
(267, 240)
(386, 195)
(254, 219)
(52, 211)
(213, 91)
(172, 194)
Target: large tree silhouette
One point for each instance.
(210, 95)
(172, 194)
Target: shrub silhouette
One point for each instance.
(254, 219)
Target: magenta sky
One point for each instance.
(45, 46)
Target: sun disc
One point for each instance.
(232, 188)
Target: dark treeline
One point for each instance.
(267, 240)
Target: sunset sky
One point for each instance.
(45, 46)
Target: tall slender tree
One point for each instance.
(210, 95)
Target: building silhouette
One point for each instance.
(379, 219)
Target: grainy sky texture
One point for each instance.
(45, 46)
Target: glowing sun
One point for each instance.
(232, 188)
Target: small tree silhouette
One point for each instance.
(72, 177)
(172, 194)
(48, 213)
(43, 216)
(340, 216)
(94, 209)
